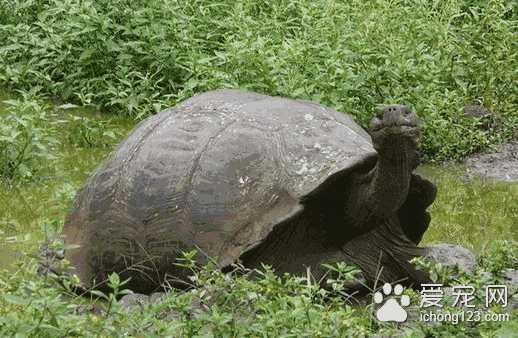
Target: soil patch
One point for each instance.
(501, 165)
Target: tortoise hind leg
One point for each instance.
(383, 254)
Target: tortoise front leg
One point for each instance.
(383, 254)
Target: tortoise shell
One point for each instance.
(216, 173)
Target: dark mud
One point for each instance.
(501, 165)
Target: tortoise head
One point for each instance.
(395, 132)
(398, 118)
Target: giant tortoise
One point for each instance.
(240, 176)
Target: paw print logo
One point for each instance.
(392, 309)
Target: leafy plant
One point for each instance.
(498, 256)
(89, 132)
(439, 273)
(26, 139)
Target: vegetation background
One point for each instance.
(137, 57)
(76, 76)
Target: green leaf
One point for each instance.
(17, 300)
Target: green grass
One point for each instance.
(233, 305)
(471, 212)
(137, 57)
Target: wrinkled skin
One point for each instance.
(241, 176)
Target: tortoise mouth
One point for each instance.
(406, 126)
(405, 129)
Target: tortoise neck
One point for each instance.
(378, 194)
(391, 176)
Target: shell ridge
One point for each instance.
(138, 145)
(196, 161)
